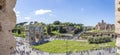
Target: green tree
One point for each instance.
(19, 31)
(77, 30)
(56, 22)
(55, 28)
(48, 30)
(62, 30)
(22, 23)
(35, 22)
(30, 23)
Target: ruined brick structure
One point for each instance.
(104, 26)
(7, 23)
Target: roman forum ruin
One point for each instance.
(8, 21)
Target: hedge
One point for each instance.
(97, 40)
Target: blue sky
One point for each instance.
(87, 12)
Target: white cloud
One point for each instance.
(27, 18)
(82, 9)
(14, 9)
(42, 11)
(17, 12)
(51, 14)
(17, 15)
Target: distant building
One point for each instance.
(87, 28)
(34, 34)
(104, 26)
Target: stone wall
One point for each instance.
(117, 23)
(7, 23)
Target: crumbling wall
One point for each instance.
(7, 23)
(117, 24)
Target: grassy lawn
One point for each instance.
(59, 46)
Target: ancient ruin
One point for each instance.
(117, 24)
(104, 26)
(7, 23)
(34, 34)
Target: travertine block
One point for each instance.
(7, 23)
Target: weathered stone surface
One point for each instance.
(117, 23)
(7, 23)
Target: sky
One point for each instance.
(87, 12)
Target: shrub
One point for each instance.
(77, 30)
(97, 40)
(62, 30)
(19, 31)
(54, 28)
(20, 35)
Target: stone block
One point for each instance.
(7, 23)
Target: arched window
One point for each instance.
(37, 36)
(32, 38)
